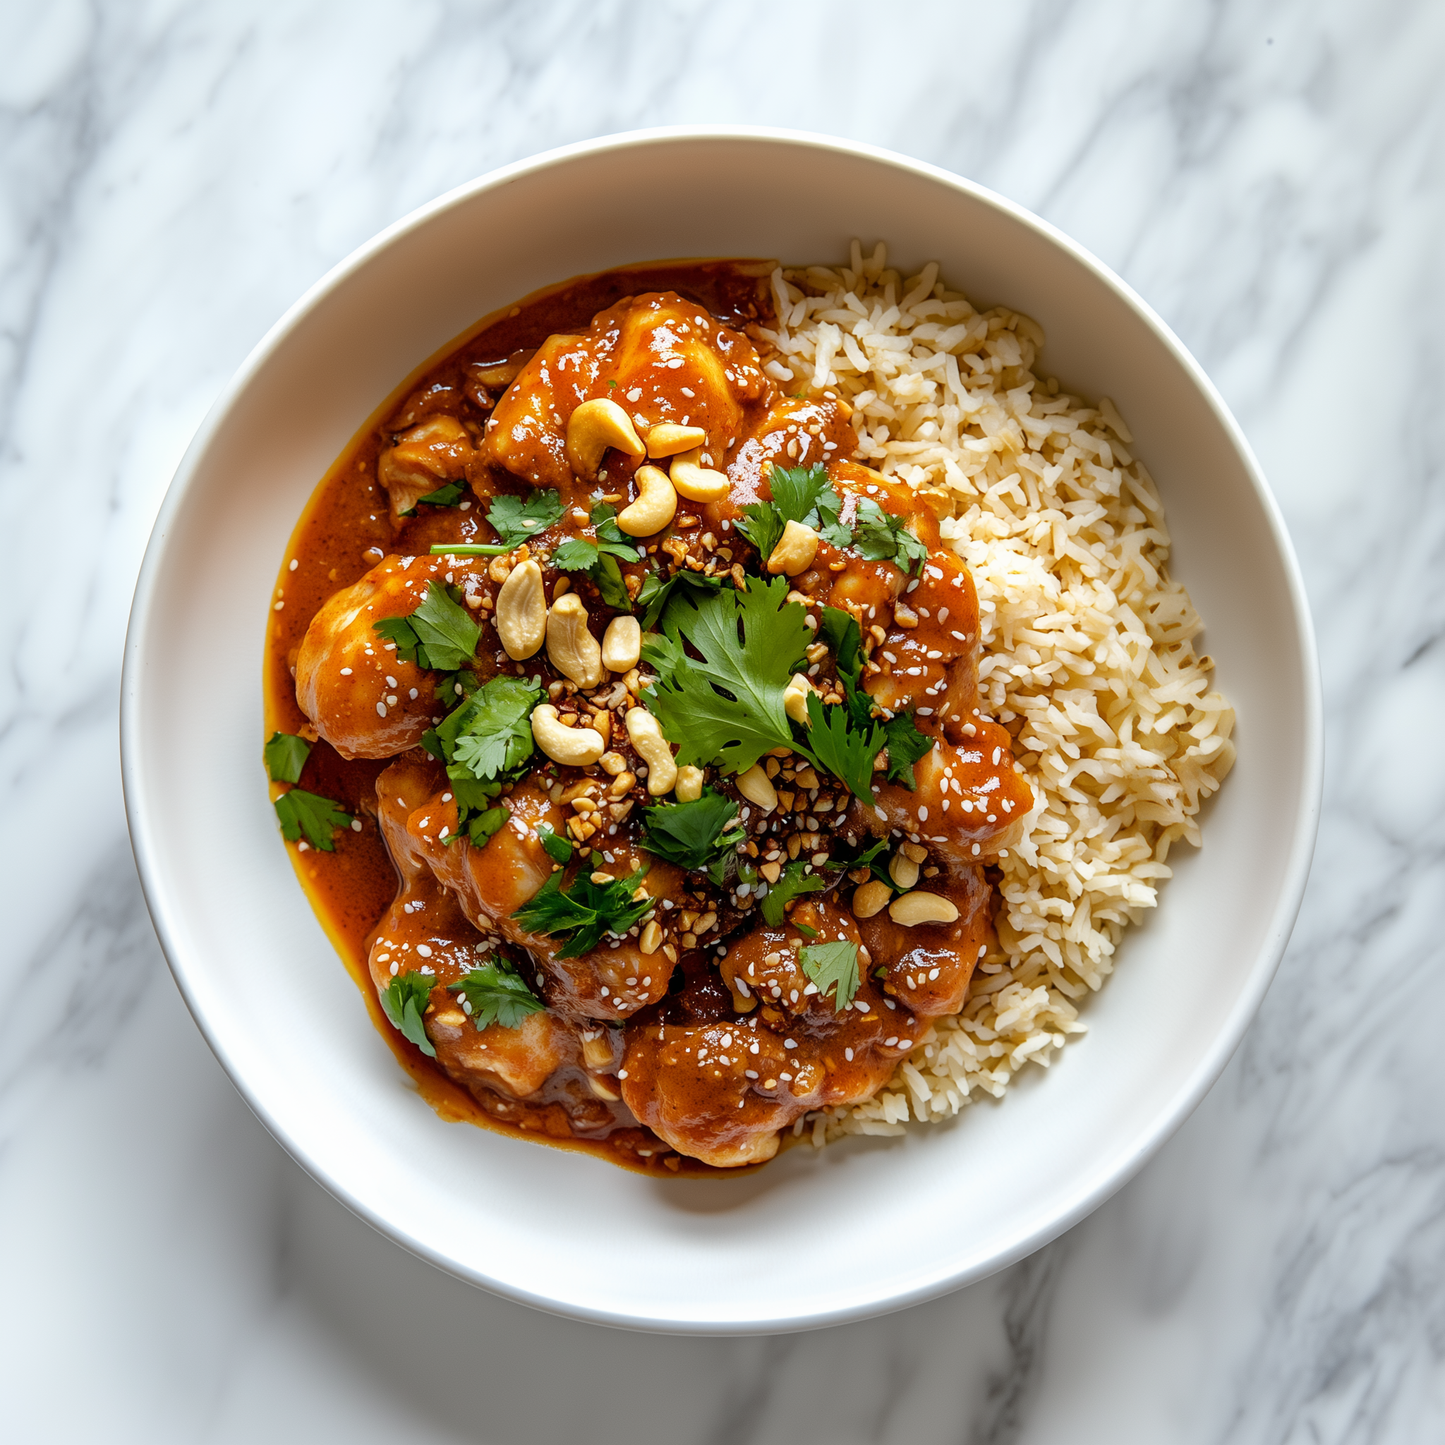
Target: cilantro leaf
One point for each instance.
(439, 635)
(794, 882)
(610, 537)
(693, 835)
(726, 706)
(494, 993)
(905, 746)
(843, 746)
(285, 756)
(576, 554)
(762, 524)
(455, 687)
(447, 496)
(655, 592)
(826, 519)
(884, 538)
(585, 911)
(832, 966)
(317, 817)
(554, 845)
(610, 584)
(841, 632)
(516, 521)
(491, 732)
(799, 494)
(796, 490)
(599, 559)
(405, 999)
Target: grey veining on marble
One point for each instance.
(1270, 176)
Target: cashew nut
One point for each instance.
(870, 898)
(521, 616)
(667, 438)
(592, 428)
(573, 747)
(795, 550)
(571, 645)
(696, 482)
(795, 698)
(650, 744)
(915, 908)
(655, 505)
(622, 644)
(689, 784)
(903, 870)
(757, 787)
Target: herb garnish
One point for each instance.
(405, 999)
(439, 635)
(832, 966)
(309, 813)
(699, 836)
(841, 632)
(793, 883)
(884, 538)
(482, 742)
(726, 706)
(845, 741)
(585, 911)
(800, 494)
(554, 845)
(905, 746)
(516, 521)
(285, 756)
(655, 592)
(495, 993)
(447, 496)
(599, 559)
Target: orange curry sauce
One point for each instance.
(350, 527)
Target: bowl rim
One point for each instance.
(1295, 873)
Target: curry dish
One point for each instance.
(626, 731)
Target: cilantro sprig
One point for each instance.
(656, 593)
(483, 743)
(799, 494)
(404, 1001)
(598, 559)
(447, 496)
(832, 966)
(699, 836)
(319, 818)
(881, 537)
(906, 745)
(516, 520)
(554, 845)
(439, 635)
(493, 992)
(795, 880)
(725, 705)
(285, 756)
(585, 911)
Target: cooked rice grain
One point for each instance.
(1087, 655)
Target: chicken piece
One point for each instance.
(793, 432)
(967, 802)
(929, 966)
(721, 1089)
(661, 358)
(360, 696)
(428, 456)
(494, 881)
(425, 931)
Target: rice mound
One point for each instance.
(1086, 652)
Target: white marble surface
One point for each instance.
(1270, 176)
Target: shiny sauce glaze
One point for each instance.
(690, 1042)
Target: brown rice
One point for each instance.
(1087, 653)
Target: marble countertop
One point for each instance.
(1270, 176)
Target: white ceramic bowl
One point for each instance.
(868, 1225)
